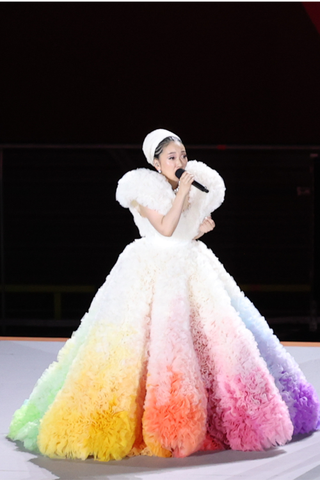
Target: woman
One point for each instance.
(171, 357)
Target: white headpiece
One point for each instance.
(152, 140)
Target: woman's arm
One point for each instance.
(166, 224)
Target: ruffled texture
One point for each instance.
(147, 187)
(171, 357)
(89, 402)
(205, 203)
(152, 190)
(299, 396)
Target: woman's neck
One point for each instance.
(174, 184)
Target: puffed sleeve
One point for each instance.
(147, 188)
(206, 202)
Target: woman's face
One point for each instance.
(173, 156)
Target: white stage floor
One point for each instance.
(21, 364)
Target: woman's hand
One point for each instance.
(185, 183)
(206, 226)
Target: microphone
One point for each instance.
(196, 184)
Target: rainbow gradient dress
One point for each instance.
(171, 357)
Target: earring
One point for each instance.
(159, 171)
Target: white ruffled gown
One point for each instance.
(171, 357)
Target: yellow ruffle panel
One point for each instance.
(97, 410)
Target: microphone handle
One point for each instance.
(180, 171)
(201, 187)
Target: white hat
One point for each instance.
(152, 140)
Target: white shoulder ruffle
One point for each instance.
(206, 202)
(148, 188)
(152, 190)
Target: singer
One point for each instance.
(171, 357)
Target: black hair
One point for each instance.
(163, 144)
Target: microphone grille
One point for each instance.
(179, 172)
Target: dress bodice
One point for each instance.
(148, 188)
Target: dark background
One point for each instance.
(236, 73)
(96, 78)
